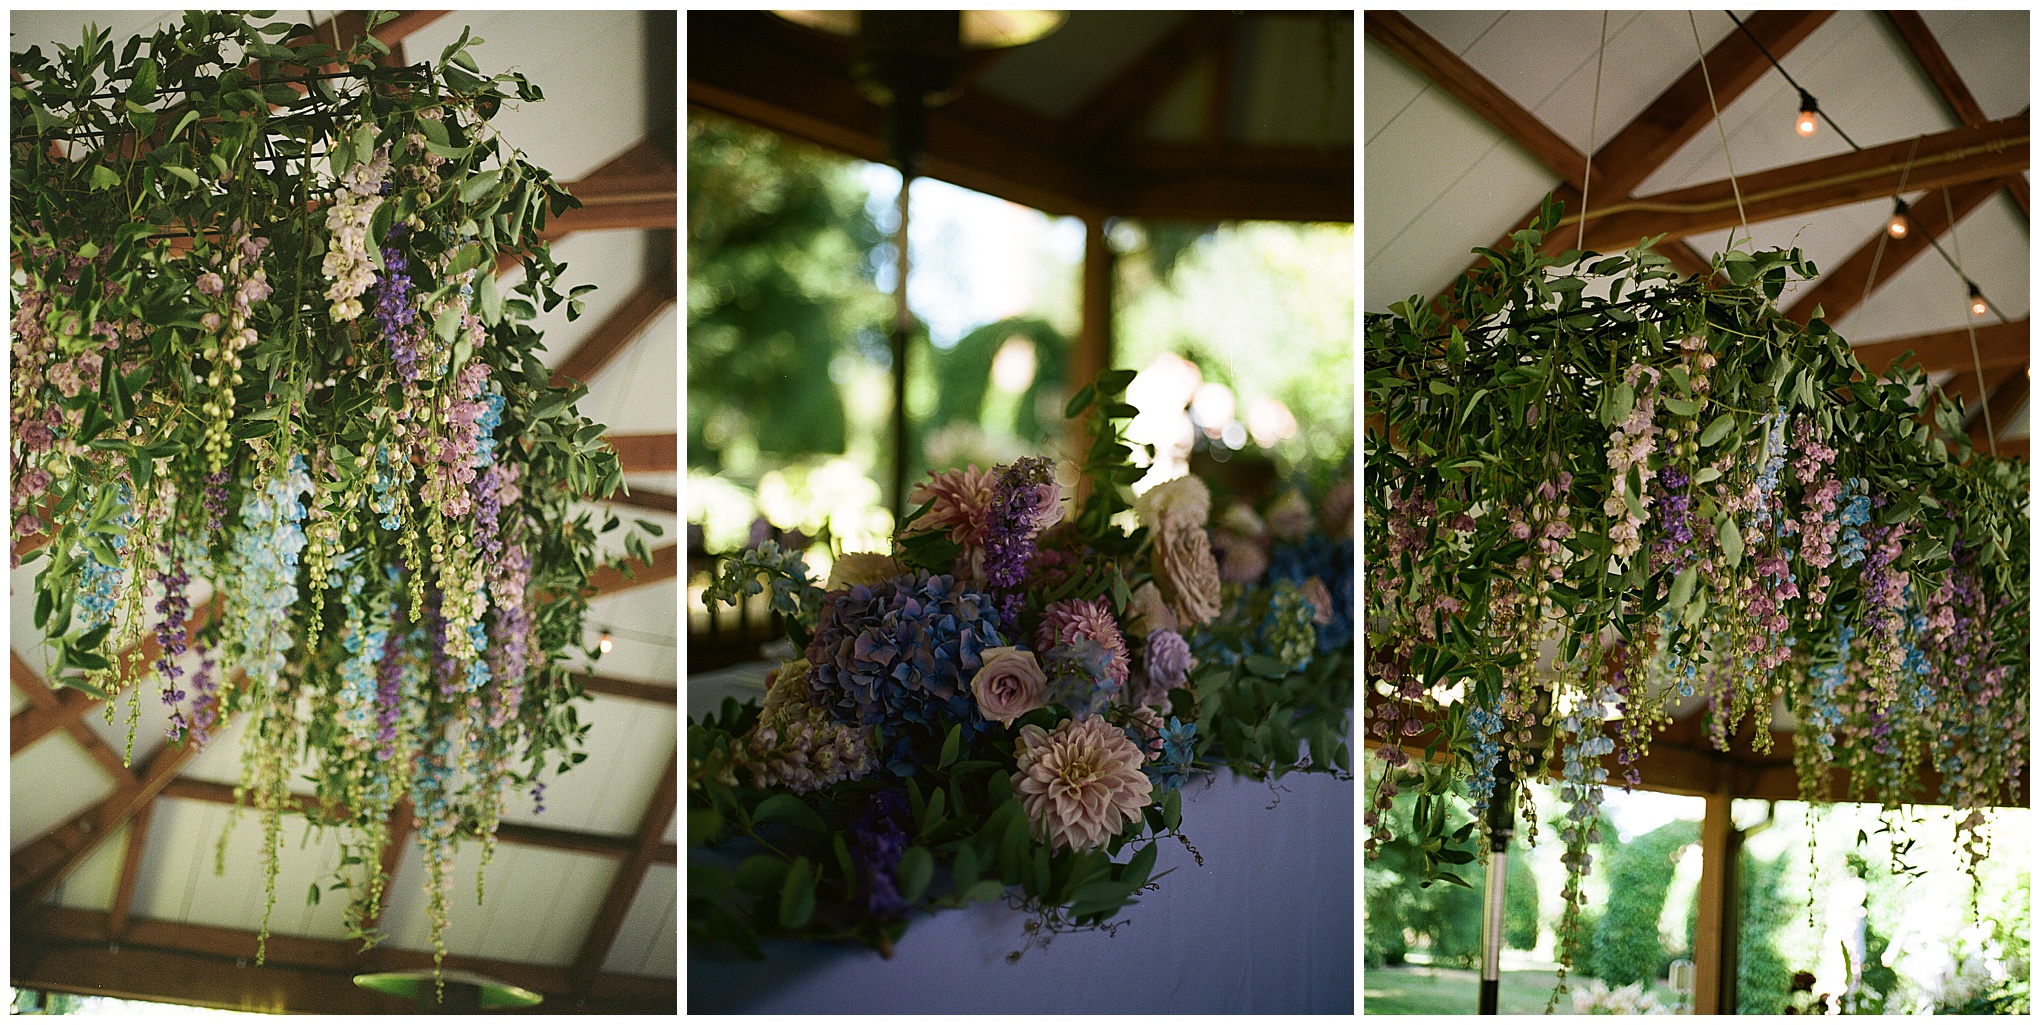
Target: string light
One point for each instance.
(607, 643)
(1900, 224)
(1977, 307)
(1808, 111)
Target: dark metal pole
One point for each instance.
(1501, 818)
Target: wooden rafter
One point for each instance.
(1488, 101)
(2005, 399)
(401, 824)
(665, 565)
(54, 709)
(646, 453)
(648, 500)
(130, 873)
(1841, 289)
(1677, 115)
(66, 950)
(630, 875)
(1998, 346)
(638, 313)
(1934, 61)
(43, 864)
(657, 693)
(1956, 157)
(638, 188)
(751, 67)
(1115, 106)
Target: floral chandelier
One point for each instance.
(1582, 512)
(258, 341)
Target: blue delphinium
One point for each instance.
(1487, 753)
(1331, 561)
(1823, 714)
(1855, 515)
(265, 558)
(1179, 743)
(900, 655)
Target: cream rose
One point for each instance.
(1009, 685)
(1174, 506)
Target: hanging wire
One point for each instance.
(1788, 78)
(1593, 129)
(1975, 357)
(1723, 132)
(1877, 259)
(1953, 262)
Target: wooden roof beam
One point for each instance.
(1676, 116)
(31, 724)
(55, 711)
(42, 864)
(629, 876)
(1998, 346)
(1926, 50)
(1842, 289)
(665, 565)
(648, 500)
(1488, 101)
(638, 313)
(1115, 107)
(205, 965)
(646, 453)
(1956, 157)
(2005, 399)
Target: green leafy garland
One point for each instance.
(826, 860)
(258, 341)
(1583, 511)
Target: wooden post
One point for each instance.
(1093, 351)
(1716, 916)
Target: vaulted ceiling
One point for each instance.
(1472, 117)
(113, 863)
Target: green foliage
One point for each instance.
(1626, 944)
(1763, 976)
(1519, 902)
(778, 286)
(1402, 901)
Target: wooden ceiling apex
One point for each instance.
(1998, 346)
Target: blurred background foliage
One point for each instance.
(1804, 874)
(789, 392)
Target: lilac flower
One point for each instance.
(1026, 501)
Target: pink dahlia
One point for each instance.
(960, 505)
(1065, 621)
(1081, 784)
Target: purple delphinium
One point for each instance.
(215, 499)
(1674, 545)
(396, 309)
(389, 695)
(205, 703)
(1024, 503)
(877, 843)
(173, 607)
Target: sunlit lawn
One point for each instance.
(1419, 990)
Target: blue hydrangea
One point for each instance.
(900, 655)
(1079, 677)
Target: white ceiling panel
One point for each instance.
(182, 878)
(49, 783)
(1997, 75)
(648, 942)
(629, 746)
(91, 885)
(539, 903)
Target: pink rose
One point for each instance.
(1188, 575)
(1009, 685)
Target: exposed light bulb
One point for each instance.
(1807, 109)
(1977, 307)
(607, 643)
(1900, 225)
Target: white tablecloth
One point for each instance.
(1265, 925)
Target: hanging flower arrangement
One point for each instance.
(1016, 694)
(1582, 512)
(258, 341)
